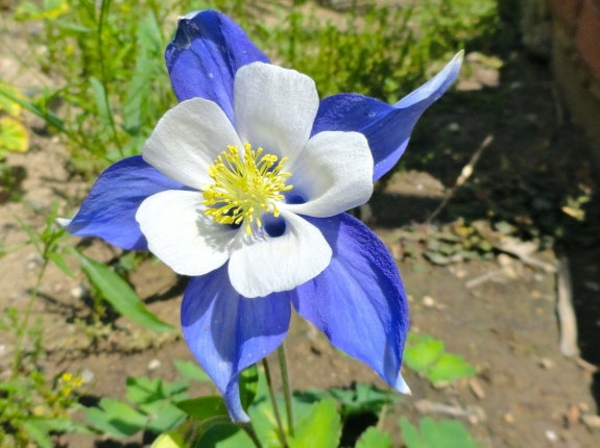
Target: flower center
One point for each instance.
(246, 185)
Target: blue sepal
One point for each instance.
(203, 58)
(109, 210)
(359, 300)
(227, 332)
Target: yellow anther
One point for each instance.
(246, 185)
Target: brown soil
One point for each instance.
(526, 394)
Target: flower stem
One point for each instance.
(287, 388)
(281, 431)
(249, 429)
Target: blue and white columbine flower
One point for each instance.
(242, 187)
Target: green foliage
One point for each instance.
(443, 434)
(427, 355)
(32, 406)
(374, 438)
(321, 427)
(190, 370)
(111, 58)
(154, 408)
(13, 136)
(359, 399)
(119, 294)
(110, 104)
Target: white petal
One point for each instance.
(274, 264)
(181, 235)
(334, 174)
(274, 108)
(63, 222)
(187, 140)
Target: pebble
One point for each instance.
(87, 376)
(428, 301)
(77, 292)
(509, 418)
(454, 127)
(476, 388)
(591, 421)
(573, 416)
(546, 363)
(551, 436)
(154, 364)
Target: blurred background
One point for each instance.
(492, 215)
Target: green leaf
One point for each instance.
(155, 399)
(59, 425)
(411, 435)
(99, 93)
(13, 386)
(249, 379)
(147, 393)
(13, 135)
(119, 294)
(449, 368)
(363, 398)
(38, 433)
(374, 438)
(204, 408)
(49, 117)
(60, 262)
(321, 427)
(147, 66)
(190, 370)
(226, 436)
(170, 439)
(444, 434)
(116, 418)
(165, 417)
(422, 351)
(436, 257)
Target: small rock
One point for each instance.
(428, 302)
(546, 363)
(504, 260)
(78, 292)
(583, 407)
(573, 416)
(476, 388)
(154, 364)
(509, 418)
(454, 127)
(551, 436)
(591, 421)
(87, 376)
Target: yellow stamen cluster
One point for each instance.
(245, 186)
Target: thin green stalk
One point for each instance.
(22, 330)
(280, 430)
(104, 7)
(287, 388)
(251, 433)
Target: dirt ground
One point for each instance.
(499, 312)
